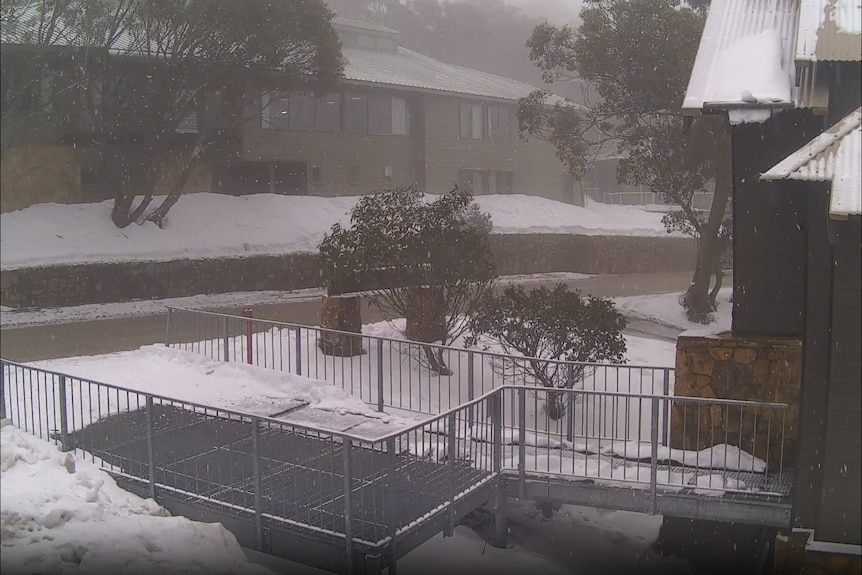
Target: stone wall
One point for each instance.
(68, 285)
(729, 367)
(39, 174)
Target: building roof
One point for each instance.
(413, 70)
(829, 30)
(833, 156)
(751, 51)
(746, 56)
(339, 21)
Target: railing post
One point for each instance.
(665, 408)
(151, 458)
(522, 443)
(258, 499)
(451, 456)
(298, 350)
(3, 367)
(348, 507)
(224, 340)
(391, 502)
(497, 426)
(653, 467)
(249, 354)
(64, 417)
(168, 327)
(471, 393)
(570, 402)
(380, 375)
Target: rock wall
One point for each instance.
(751, 369)
(68, 285)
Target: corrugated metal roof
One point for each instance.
(833, 156)
(730, 26)
(830, 30)
(413, 70)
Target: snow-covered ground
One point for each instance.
(215, 225)
(667, 309)
(62, 514)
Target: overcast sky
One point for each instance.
(556, 11)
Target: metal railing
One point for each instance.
(394, 374)
(370, 493)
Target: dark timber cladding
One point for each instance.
(769, 244)
(841, 507)
(817, 342)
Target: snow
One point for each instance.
(847, 15)
(215, 225)
(847, 182)
(62, 514)
(749, 70)
(666, 309)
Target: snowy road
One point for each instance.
(71, 332)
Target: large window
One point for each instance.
(363, 113)
(327, 112)
(499, 124)
(480, 182)
(471, 121)
(492, 122)
(355, 113)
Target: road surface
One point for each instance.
(93, 337)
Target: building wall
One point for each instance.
(841, 507)
(534, 164)
(333, 152)
(815, 362)
(769, 244)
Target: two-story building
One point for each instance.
(398, 118)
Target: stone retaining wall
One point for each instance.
(68, 285)
(751, 369)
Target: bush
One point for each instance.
(429, 262)
(551, 324)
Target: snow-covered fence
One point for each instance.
(370, 494)
(393, 374)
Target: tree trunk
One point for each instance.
(554, 405)
(342, 314)
(697, 301)
(158, 216)
(426, 321)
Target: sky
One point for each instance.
(556, 11)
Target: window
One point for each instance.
(499, 124)
(500, 182)
(301, 112)
(471, 121)
(353, 174)
(275, 111)
(480, 182)
(316, 175)
(399, 116)
(327, 117)
(379, 115)
(387, 173)
(355, 113)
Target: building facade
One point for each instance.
(398, 118)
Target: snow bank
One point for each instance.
(64, 515)
(666, 309)
(215, 225)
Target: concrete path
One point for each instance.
(93, 337)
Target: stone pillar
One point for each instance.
(751, 369)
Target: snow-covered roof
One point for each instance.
(836, 37)
(745, 58)
(340, 21)
(413, 70)
(833, 156)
